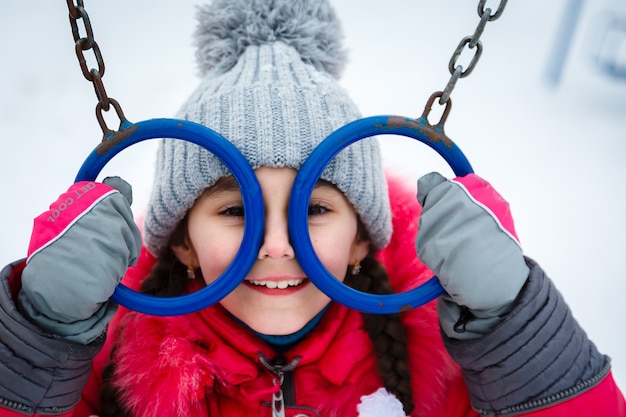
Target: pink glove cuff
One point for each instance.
(483, 194)
(79, 199)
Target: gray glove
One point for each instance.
(79, 251)
(466, 237)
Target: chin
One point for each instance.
(277, 316)
(277, 327)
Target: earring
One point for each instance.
(191, 272)
(356, 268)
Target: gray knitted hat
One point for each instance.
(269, 87)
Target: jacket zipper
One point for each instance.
(285, 395)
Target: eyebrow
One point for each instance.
(224, 184)
(228, 184)
(326, 184)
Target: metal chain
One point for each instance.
(457, 71)
(82, 44)
(471, 42)
(77, 12)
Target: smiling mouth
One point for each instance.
(280, 285)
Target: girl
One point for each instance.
(501, 341)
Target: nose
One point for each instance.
(276, 242)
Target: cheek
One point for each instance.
(334, 249)
(215, 252)
(214, 260)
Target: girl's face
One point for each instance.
(276, 297)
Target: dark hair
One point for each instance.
(386, 332)
(169, 278)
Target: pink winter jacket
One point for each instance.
(206, 364)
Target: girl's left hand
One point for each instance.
(467, 238)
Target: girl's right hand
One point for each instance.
(79, 251)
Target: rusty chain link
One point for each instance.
(78, 13)
(456, 70)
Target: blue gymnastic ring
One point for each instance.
(252, 201)
(308, 176)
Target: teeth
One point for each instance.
(281, 285)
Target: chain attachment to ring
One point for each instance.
(468, 42)
(94, 75)
(429, 106)
(108, 140)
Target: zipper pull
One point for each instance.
(278, 402)
(278, 368)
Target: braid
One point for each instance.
(167, 278)
(110, 405)
(386, 332)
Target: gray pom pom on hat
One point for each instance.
(269, 86)
(227, 28)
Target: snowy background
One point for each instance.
(555, 150)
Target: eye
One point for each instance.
(235, 211)
(317, 209)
